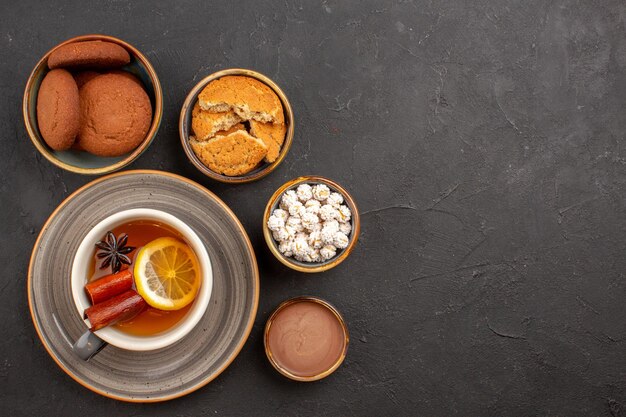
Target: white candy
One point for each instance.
(315, 240)
(328, 212)
(345, 228)
(335, 200)
(295, 223)
(281, 214)
(315, 255)
(291, 232)
(312, 206)
(321, 192)
(300, 247)
(296, 209)
(289, 198)
(309, 220)
(275, 223)
(311, 224)
(281, 235)
(341, 240)
(327, 252)
(344, 214)
(332, 225)
(305, 192)
(327, 235)
(286, 248)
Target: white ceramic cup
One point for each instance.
(84, 257)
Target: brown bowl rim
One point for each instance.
(284, 371)
(188, 106)
(315, 266)
(156, 117)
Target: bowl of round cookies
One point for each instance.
(93, 104)
(236, 126)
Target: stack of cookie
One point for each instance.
(86, 103)
(238, 123)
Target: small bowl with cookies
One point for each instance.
(311, 224)
(92, 104)
(236, 126)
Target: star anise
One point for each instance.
(114, 251)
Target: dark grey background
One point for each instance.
(484, 143)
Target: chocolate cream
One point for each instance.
(306, 338)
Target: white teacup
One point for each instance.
(113, 336)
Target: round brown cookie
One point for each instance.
(83, 77)
(58, 109)
(115, 115)
(95, 54)
(128, 75)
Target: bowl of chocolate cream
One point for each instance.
(306, 339)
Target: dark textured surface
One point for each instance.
(484, 143)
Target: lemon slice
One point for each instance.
(167, 274)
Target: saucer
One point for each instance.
(201, 355)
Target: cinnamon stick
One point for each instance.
(109, 286)
(121, 307)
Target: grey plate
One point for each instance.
(178, 369)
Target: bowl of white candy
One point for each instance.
(311, 224)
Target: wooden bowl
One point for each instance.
(312, 267)
(184, 127)
(83, 162)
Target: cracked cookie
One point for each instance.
(234, 154)
(272, 134)
(246, 96)
(206, 124)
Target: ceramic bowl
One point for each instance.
(83, 162)
(83, 259)
(286, 372)
(312, 266)
(185, 128)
